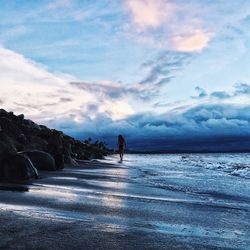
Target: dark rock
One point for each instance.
(36, 143)
(43, 127)
(69, 160)
(3, 113)
(55, 145)
(22, 139)
(31, 124)
(9, 127)
(20, 117)
(59, 161)
(47, 148)
(17, 167)
(41, 160)
(67, 152)
(6, 144)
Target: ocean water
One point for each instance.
(236, 164)
(221, 178)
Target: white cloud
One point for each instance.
(29, 88)
(147, 13)
(193, 42)
(168, 25)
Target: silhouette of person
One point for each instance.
(121, 146)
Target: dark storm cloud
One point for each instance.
(164, 67)
(204, 124)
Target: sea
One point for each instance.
(233, 164)
(211, 177)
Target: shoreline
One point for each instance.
(99, 205)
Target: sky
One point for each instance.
(167, 74)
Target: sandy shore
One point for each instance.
(104, 206)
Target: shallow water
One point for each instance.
(186, 201)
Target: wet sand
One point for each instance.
(105, 206)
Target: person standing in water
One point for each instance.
(121, 146)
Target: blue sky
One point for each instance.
(149, 69)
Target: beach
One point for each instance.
(135, 204)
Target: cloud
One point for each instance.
(201, 93)
(85, 109)
(220, 94)
(146, 13)
(192, 42)
(164, 68)
(66, 99)
(239, 90)
(108, 90)
(242, 89)
(197, 127)
(165, 24)
(160, 70)
(39, 90)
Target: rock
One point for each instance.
(42, 127)
(55, 145)
(9, 127)
(31, 124)
(69, 160)
(41, 160)
(67, 152)
(47, 148)
(3, 113)
(21, 117)
(17, 167)
(6, 144)
(22, 139)
(36, 143)
(59, 160)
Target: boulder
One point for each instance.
(41, 160)
(9, 127)
(36, 143)
(55, 145)
(17, 167)
(3, 113)
(7, 145)
(31, 124)
(59, 160)
(22, 139)
(69, 160)
(67, 152)
(20, 117)
(46, 149)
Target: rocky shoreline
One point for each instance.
(27, 148)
